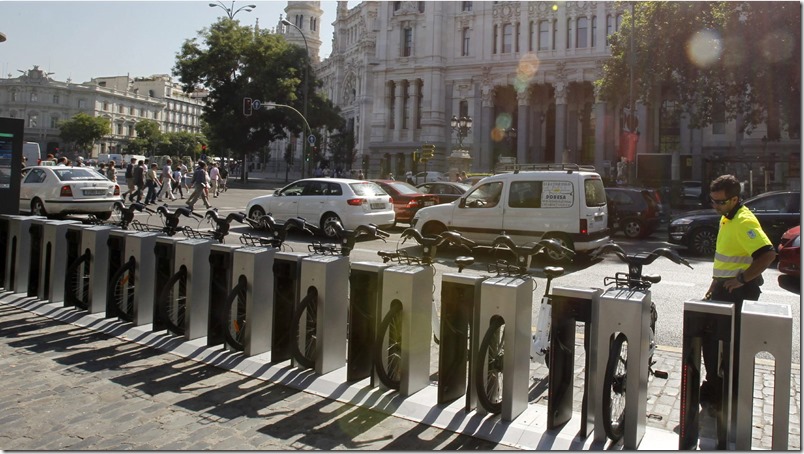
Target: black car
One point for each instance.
(777, 211)
(635, 211)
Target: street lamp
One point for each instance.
(510, 134)
(230, 11)
(288, 23)
(462, 126)
(271, 105)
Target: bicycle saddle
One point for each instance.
(553, 271)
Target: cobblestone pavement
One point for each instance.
(68, 387)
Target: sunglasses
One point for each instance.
(719, 202)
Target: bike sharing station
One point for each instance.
(392, 306)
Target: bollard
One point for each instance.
(459, 295)
(569, 307)
(116, 246)
(220, 284)
(133, 290)
(250, 314)
(511, 299)
(710, 320)
(324, 285)
(365, 285)
(764, 327)
(18, 259)
(36, 231)
(625, 311)
(287, 273)
(408, 289)
(95, 271)
(192, 256)
(52, 260)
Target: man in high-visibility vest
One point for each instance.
(742, 253)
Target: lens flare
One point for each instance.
(777, 46)
(704, 48)
(503, 122)
(527, 68)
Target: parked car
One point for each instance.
(319, 200)
(777, 211)
(407, 199)
(691, 194)
(790, 252)
(430, 175)
(59, 190)
(566, 205)
(446, 191)
(635, 211)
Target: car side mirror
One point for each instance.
(462, 203)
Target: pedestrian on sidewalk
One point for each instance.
(214, 178)
(130, 177)
(224, 176)
(177, 182)
(152, 183)
(111, 172)
(199, 183)
(742, 252)
(139, 182)
(167, 178)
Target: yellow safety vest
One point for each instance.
(737, 239)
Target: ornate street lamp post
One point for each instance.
(462, 126)
(230, 11)
(288, 23)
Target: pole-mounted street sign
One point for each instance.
(311, 139)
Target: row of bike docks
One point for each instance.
(324, 312)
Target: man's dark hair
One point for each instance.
(727, 183)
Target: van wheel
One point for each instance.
(560, 258)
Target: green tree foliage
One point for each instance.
(181, 143)
(741, 56)
(234, 62)
(84, 130)
(342, 148)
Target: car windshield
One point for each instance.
(404, 188)
(78, 174)
(367, 189)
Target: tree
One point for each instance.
(236, 62)
(181, 143)
(741, 57)
(342, 147)
(84, 130)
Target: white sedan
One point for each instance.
(59, 190)
(320, 200)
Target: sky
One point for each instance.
(82, 40)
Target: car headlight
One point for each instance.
(682, 221)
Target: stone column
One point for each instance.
(398, 110)
(600, 133)
(483, 130)
(413, 96)
(561, 119)
(523, 132)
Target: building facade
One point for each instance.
(43, 102)
(524, 72)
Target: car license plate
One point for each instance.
(95, 192)
(428, 203)
(377, 206)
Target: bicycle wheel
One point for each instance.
(489, 366)
(174, 299)
(76, 282)
(235, 330)
(122, 290)
(388, 348)
(614, 386)
(306, 313)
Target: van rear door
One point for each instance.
(593, 206)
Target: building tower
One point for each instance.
(307, 16)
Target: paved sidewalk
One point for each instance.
(78, 381)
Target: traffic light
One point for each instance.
(428, 150)
(247, 110)
(415, 155)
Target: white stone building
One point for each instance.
(400, 70)
(42, 102)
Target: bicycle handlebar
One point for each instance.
(640, 258)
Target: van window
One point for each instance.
(595, 192)
(525, 194)
(485, 196)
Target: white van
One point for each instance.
(31, 151)
(567, 204)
